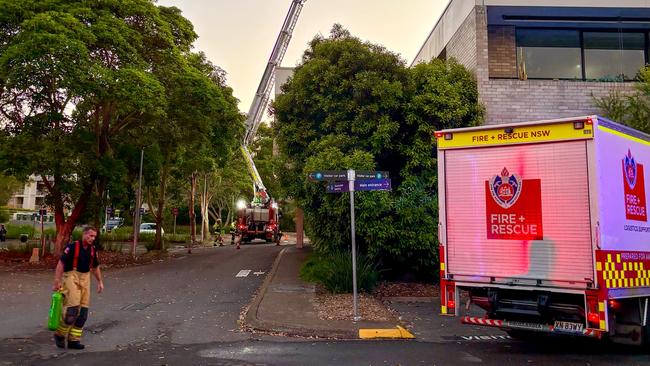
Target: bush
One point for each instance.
(334, 271)
(14, 231)
(23, 248)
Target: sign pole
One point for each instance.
(42, 234)
(175, 225)
(354, 247)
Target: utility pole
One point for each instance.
(136, 221)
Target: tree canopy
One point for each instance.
(80, 78)
(353, 104)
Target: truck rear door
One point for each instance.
(518, 213)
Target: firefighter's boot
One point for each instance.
(75, 345)
(59, 340)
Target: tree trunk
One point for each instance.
(161, 207)
(65, 227)
(205, 217)
(191, 211)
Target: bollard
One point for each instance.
(34, 258)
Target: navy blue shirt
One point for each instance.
(83, 263)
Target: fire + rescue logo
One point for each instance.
(634, 189)
(505, 188)
(513, 207)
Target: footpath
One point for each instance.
(285, 304)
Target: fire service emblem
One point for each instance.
(629, 169)
(505, 188)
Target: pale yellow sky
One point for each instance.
(238, 35)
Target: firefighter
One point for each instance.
(72, 277)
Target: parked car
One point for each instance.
(150, 228)
(113, 223)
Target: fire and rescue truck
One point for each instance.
(260, 218)
(258, 221)
(544, 227)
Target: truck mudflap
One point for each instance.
(563, 328)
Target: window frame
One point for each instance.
(581, 31)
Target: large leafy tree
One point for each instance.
(356, 105)
(199, 127)
(75, 78)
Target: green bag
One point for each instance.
(55, 311)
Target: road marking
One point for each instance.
(485, 337)
(243, 273)
(258, 273)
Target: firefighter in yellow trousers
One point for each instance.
(72, 277)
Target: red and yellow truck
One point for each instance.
(544, 227)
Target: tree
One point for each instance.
(356, 105)
(201, 122)
(633, 109)
(75, 76)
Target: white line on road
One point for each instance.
(258, 273)
(243, 273)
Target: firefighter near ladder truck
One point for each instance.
(72, 279)
(544, 228)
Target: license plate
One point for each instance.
(568, 327)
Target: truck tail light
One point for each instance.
(589, 121)
(242, 226)
(439, 134)
(451, 297)
(593, 315)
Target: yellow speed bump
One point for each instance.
(397, 332)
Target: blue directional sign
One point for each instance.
(360, 185)
(328, 175)
(364, 174)
(338, 187)
(372, 185)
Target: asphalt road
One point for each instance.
(185, 312)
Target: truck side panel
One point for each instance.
(623, 164)
(623, 261)
(519, 212)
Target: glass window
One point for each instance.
(613, 56)
(549, 54)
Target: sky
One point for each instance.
(238, 35)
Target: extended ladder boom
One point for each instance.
(264, 89)
(261, 97)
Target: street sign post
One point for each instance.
(42, 212)
(175, 213)
(350, 181)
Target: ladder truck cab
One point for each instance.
(544, 228)
(260, 218)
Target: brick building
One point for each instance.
(543, 61)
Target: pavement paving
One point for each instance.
(285, 304)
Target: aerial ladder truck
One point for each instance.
(260, 218)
